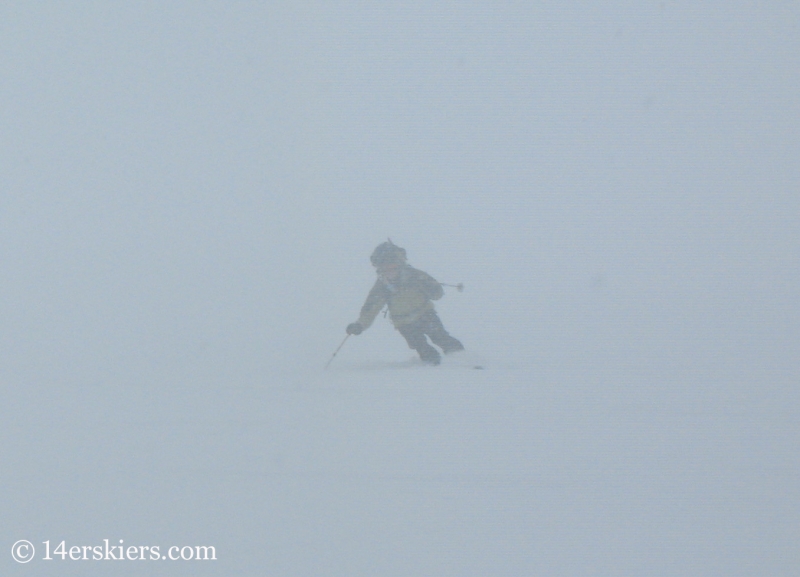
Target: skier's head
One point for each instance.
(387, 255)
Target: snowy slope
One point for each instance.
(390, 468)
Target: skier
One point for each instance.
(409, 293)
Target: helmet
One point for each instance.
(387, 253)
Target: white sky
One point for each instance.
(611, 181)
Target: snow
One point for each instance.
(394, 468)
(190, 195)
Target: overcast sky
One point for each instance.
(183, 181)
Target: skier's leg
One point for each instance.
(415, 337)
(440, 337)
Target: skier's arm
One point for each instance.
(376, 299)
(428, 285)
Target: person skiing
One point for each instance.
(409, 293)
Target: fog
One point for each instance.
(189, 194)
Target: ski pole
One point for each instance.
(336, 351)
(459, 286)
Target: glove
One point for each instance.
(354, 329)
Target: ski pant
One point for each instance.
(429, 324)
